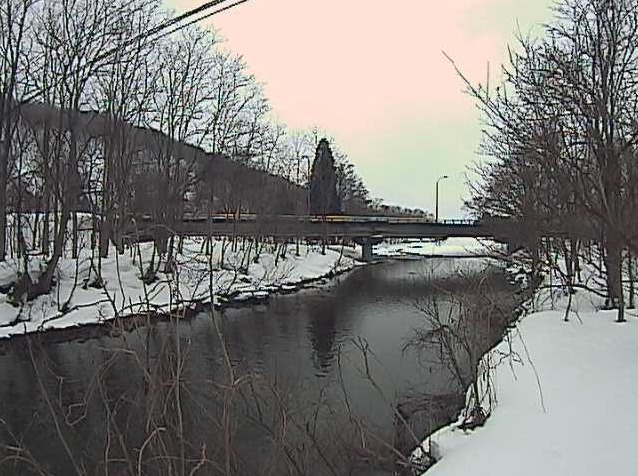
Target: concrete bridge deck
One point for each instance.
(291, 226)
(365, 230)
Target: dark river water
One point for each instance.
(309, 383)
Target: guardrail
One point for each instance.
(459, 221)
(249, 217)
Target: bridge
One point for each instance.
(364, 230)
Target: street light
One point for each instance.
(436, 208)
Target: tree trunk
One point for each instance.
(69, 206)
(43, 285)
(5, 149)
(630, 272)
(74, 246)
(613, 265)
(568, 254)
(106, 227)
(576, 255)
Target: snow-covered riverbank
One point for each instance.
(74, 302)
(563, 392)
(452, 247)
(235, 277)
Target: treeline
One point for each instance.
(561, 136)
(99, 118)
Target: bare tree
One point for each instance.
(71, 37)
(15, 16)
(562, 129)
(185, 89)
(123, 94)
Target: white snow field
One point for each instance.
(125, 293)
(564, 400)
(461, 247)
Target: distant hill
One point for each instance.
(218, 180)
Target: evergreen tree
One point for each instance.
(323, 182)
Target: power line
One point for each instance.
(172, 22)
(161, 27)
(203, 17)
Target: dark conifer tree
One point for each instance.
(323, 182)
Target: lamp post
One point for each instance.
(436, 208)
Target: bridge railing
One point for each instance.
(249, 217)
(459, 221)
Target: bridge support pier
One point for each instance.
(366, 250)
(366, 243)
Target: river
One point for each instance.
(309, 384)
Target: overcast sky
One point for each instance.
(372, 73)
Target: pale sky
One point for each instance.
(373, 75)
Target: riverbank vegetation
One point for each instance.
(201, 272)
(106, 119)
(560, 144)
(550, 382)
(560, 147)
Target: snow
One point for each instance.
(73, 302)
(448, 247)
(124, 293)
(564, 399)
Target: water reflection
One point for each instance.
(322, 333)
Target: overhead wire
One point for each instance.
(156, 30)
(175, 20)
(149, 34)
(199, 19)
